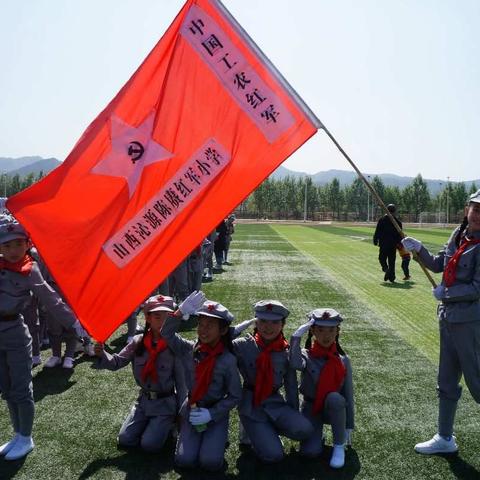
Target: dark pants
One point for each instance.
(386, 257)
(405, 264)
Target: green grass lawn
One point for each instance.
(390, 332)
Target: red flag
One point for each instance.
(200, 124)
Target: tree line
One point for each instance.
(12, 184)
(285, 199)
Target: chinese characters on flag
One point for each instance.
(201, 123)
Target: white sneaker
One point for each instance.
(67, 362)
(22, 447)
(338, 456)
(53, 362)
(36, 360)
(437, 444)
(6, 447)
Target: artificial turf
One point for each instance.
(390, 333)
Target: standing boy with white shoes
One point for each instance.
(459, 317)
(19, 277)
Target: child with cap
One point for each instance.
(158, 373)
(19, 278)
(459, 321)
(264, 365)
(212, 380)
(326, 383)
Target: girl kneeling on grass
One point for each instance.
(20, 277)
(326, 383)
(265, 368)
(213, 382)
(159, 375)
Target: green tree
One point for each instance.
(416, 197)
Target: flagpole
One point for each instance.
(380, 202)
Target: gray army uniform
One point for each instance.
(459, 318)
(207, 448)
(276, 415)
(152, 417)
(16, 342)
(338, 410)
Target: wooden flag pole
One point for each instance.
(380, 202)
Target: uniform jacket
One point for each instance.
(171, 382)
(311, 368)
(461, 302)
(225, 388)
(247, 351)
(16, 291)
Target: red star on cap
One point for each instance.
(269, 306)
(326, 315)
(160, 298)
(211, 307)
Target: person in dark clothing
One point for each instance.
(219, 244)
(387, 237)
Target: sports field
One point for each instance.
(390, 333)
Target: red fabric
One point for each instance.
(332, 375)
(450, 272)
(150, 370)
(204, 370)
(23, 266)
(74, 210)
(264, 375)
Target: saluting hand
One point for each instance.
(302, 329)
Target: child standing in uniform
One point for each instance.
(264, 365)
(405, 256)
(19, 278)
(459, 316)
(213, 382)
(159, 375)
(326, 383)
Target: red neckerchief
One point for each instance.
(450, 271)
(331, 376)
(204, 370)
(264, 376)
(23, 266)
(150, 370)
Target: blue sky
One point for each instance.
(396, 82)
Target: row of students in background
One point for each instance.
(204, 380)
(196, 268)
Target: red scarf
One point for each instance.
(150, 370)
(264, 376)
(204, 370)
(450, 271)
(331, 376)
(23, 266)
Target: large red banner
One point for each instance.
(199, 125)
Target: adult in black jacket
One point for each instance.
(387, 237)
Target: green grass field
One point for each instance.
(390, 333)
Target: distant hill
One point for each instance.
(8, 164)
(346, 177)
(44, 165)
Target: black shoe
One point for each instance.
(385, 277)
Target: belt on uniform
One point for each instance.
(153, 395)
(9, 318)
